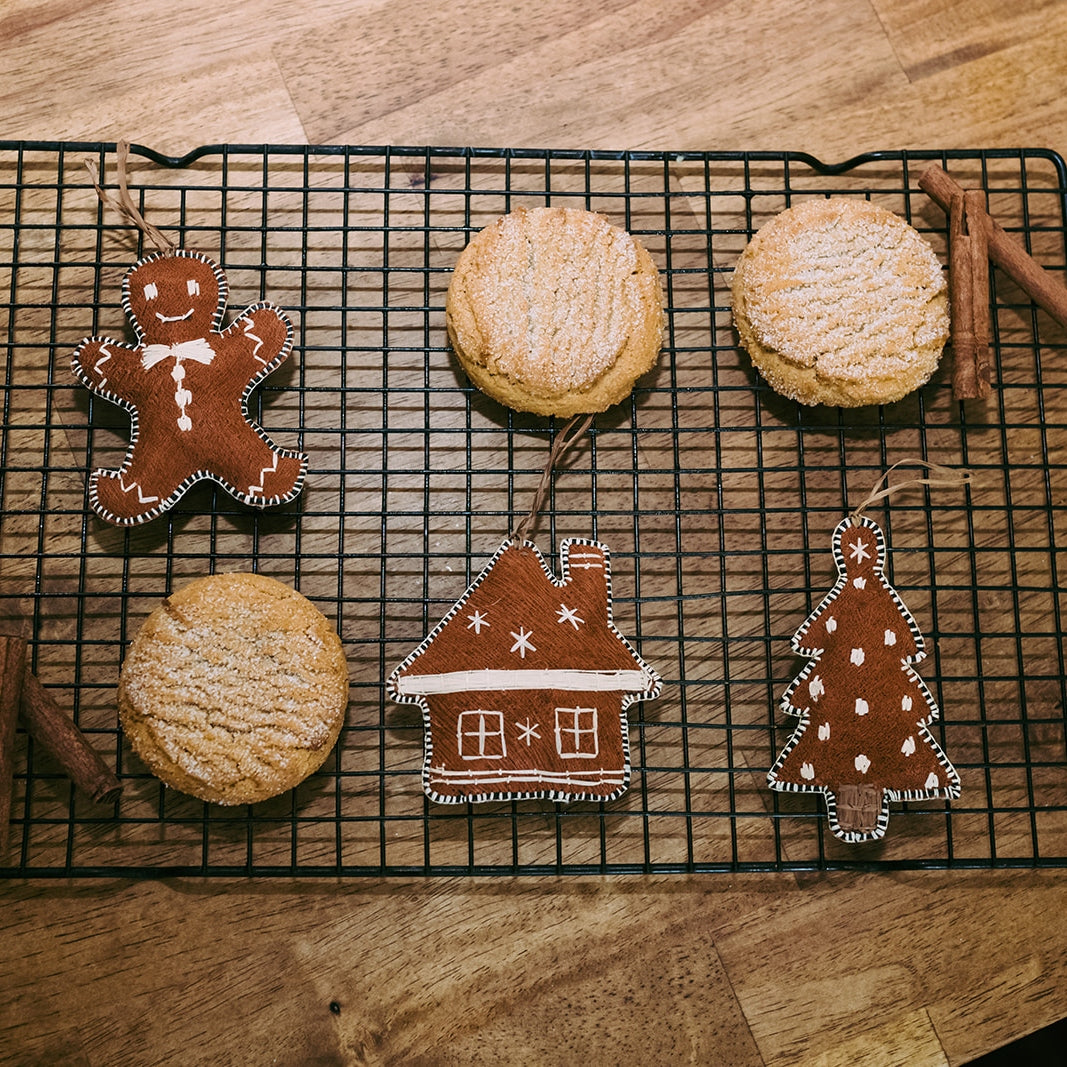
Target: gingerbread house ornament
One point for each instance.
(525, 683)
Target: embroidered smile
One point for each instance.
(173, 318)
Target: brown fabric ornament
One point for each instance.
(186, 384)
(862, 740)
(525, 683)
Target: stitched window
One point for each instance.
(576, 733)
(481, 734)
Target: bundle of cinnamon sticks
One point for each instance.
(21, 694)
(975, 238)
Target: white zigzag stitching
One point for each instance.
(141, 498)
(259, 341)
(106, 355)
(254, 489)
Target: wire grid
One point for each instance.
(716, 496)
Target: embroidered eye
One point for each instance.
(193, 286)
(150, 291)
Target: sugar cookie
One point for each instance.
(235, 689)
(555, 311)
(841, 302)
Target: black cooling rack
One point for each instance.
(716, 496)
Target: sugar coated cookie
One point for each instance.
(841, 302)
(555, 311)
(235, 689)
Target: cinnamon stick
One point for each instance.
(56, 732)
(1042, 286)
(976, 220)
(961, 303)
(12, 669)
(968, 282)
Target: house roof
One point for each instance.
(520, 627)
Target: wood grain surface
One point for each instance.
(917, 968)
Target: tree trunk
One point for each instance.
(858, 807)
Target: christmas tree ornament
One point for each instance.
(864, 712)
(186, 383)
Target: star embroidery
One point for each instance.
(522, 642)
(570, 615)
(477, 621)
(859, 551)
(528, 731)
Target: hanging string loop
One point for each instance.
(124, 203)
(948, 477)
(571, 433)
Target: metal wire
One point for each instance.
(716, 496)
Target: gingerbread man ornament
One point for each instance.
(186, 385)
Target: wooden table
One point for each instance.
(919, 967)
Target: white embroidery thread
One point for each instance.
(198, 350)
